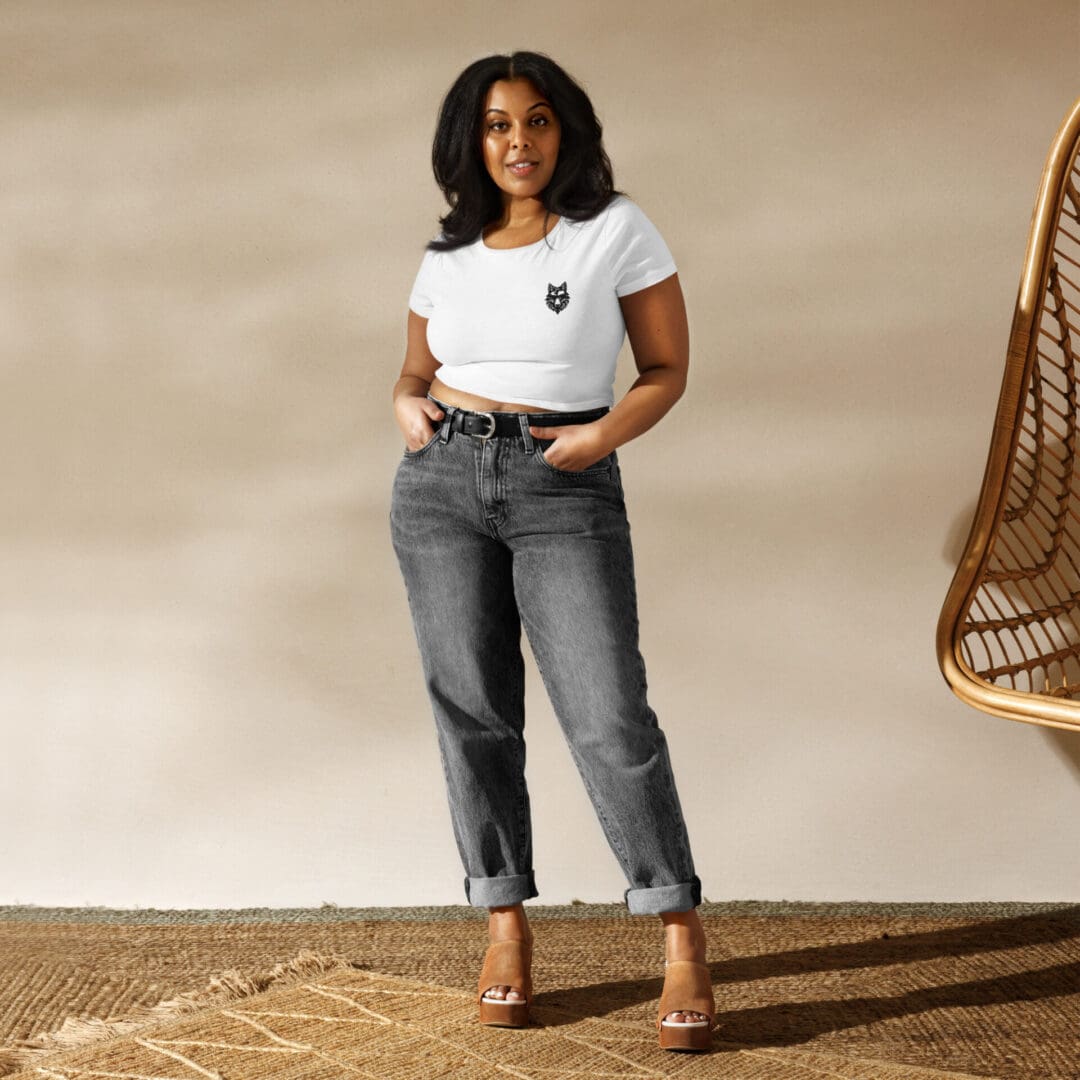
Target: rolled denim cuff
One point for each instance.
(500, 891)
(661, 898)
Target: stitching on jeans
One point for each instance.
(682, 837)
(499, 475)
(523, 829)
(477, 461)
(498, 486)
(523, 845)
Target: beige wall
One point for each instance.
(210, 694)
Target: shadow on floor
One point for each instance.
(948, 952)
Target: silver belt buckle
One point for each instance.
(487, 434)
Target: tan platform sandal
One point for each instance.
(687, 988)
(506, 963)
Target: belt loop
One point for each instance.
(526, 435)
(448, 417)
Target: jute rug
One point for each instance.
(856, 992)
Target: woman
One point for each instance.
(508, 509)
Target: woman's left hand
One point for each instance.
(576, 446)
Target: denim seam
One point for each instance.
(478, 479)
(681, 836)
(458, 838)
(613, 833)
(523, 845)
(498, 487)
(523, 829)
(500, 479)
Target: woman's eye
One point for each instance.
(498, 125)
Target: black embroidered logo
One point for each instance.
(557, 297)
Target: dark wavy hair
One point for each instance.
(582, 184)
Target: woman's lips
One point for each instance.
(524, 169)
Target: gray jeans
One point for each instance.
(490, 536)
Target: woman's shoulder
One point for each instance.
(618, 221)
(623, 211)
(439, 238)
(607, 223)
(617, 207)
(444, 247)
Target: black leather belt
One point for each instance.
(487, 425)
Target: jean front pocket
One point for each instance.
(426, 447)
(597, 468)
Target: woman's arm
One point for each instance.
(660, 339)
(412, 407)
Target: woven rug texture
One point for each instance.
(865, 997)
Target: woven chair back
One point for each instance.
(1009, 634)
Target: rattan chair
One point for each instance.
(1008, 639)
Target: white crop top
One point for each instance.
(540, 324)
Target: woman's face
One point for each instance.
(519, 125)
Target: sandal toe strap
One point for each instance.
(687, 988)
(507, 963)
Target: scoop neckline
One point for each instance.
(524, 247)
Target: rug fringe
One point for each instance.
(225, 988)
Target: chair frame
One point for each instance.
(1027, 706)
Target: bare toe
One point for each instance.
(684, 1017)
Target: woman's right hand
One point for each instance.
(416, 416)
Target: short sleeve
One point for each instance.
(638, 255)
(422, 297)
